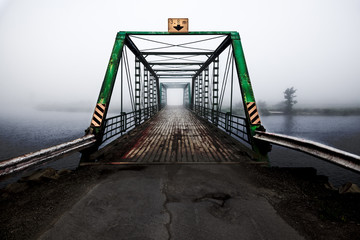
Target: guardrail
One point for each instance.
(330, 154)
(126, 121)
(113, 126)
(45, 155)
(232, 124)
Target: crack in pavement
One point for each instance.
(167, 225)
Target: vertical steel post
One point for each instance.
(206, 92)
(189, 94)
(186, 95)
(163, 95)
(137, 92)
(156, 96)
(151, 94)
(196, 96)
(232, 92)
(200, 93)
(252, 115)
(146, 93)
(192, 93)
(215, 95)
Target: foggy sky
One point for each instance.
(56, 51)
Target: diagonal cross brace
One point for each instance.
(131, 45)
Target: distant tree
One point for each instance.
(289, 95)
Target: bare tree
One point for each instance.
(289, 95)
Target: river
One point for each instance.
(341, 132)
(31, 130)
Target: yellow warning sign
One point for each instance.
(179, 25)
(98, 115)
(253, 113)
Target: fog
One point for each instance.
(56, 52)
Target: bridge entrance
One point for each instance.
(210, 67)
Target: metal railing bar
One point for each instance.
(45, 155)
(330, 154)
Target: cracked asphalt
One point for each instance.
(174, 202)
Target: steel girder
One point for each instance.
(123, 38)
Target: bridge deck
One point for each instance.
(177, 135)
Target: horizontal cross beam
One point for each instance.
(175, 75)
(175, 63)
(189, 77)
(175, 70)
(176, 53)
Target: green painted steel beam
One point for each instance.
(111, 71)
(248, 98)
(242, 70)
(104, 97)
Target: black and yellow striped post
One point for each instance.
(98, 115)
(97, 125)
(251, 111)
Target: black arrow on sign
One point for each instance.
(178, 27)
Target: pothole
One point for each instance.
(217, 198)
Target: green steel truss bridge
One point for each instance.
(211, 70)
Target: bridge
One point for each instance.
(211, 70)
(209, 130)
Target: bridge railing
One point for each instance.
(230, 123)
(124, 122)
(32, 159)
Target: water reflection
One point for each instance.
(289, 124)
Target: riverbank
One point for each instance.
(302, 198)
(313, 112)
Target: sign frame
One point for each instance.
(178, 25)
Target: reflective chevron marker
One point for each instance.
(98, 115)
(253, 113)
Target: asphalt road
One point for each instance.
(174, 202)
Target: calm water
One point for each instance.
(34, 130)
(341, 132)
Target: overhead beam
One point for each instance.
(176, 53)
(175, 75)
(175, 70)
(175, 63)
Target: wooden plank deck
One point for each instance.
(176, 135)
